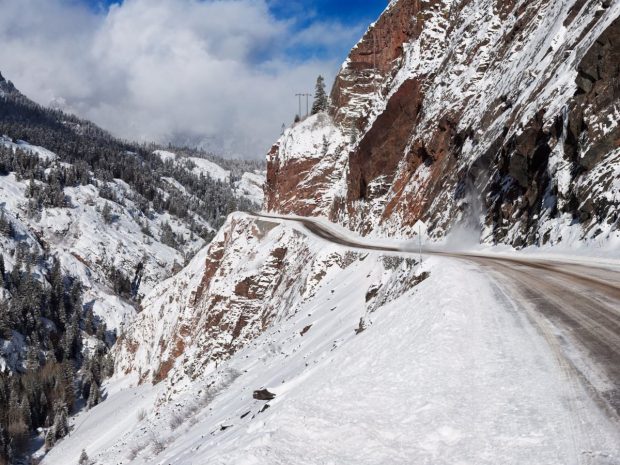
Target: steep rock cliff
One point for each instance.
(254, 275)
(502, 115)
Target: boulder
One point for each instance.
(263, 394)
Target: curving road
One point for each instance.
(575, 306)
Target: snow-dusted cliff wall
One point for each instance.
(254, 275)
(501, 114)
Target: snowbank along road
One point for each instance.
(575, 306)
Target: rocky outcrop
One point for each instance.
(304, 173)
(255, 275)
(374, 59)
(593, 132)
(222, 300)
(499, 115)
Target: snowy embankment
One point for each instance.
(449, 372)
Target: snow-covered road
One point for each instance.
(574, 304)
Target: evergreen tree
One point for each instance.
(5, 321)
(26, 412)
(84, 460)
(4, 446)
(6, 227)
(89, 321)
(101, 330)
(60, 427)
(43, 407)
(108, 366)
(106, 213)
(32, 357)
(94, 396)
(50, 438)
(168, 236)
(16, 274)
(66, 386)
(320, 96)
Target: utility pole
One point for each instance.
(307, 104)
(299, 96)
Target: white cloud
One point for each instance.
(166, 69)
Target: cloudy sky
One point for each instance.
(222, 73)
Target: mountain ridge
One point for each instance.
(89, 225)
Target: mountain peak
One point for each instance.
(6, 87)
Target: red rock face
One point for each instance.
(291, 187)
(374, 58)
(458, 111)
(380, 151)
(216, 308)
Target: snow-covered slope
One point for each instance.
(492, 116)
(89, 225)
(201, 166)
(249, 186)
(119, 238)
(394, 392)
(251, 276)
(90, 249)
(108, 232)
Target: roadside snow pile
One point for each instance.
(359, 380)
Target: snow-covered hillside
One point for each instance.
(89, 225)
(248, 186)
(91, 247)
(367, 360)
(480, 121)
(107, 231)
